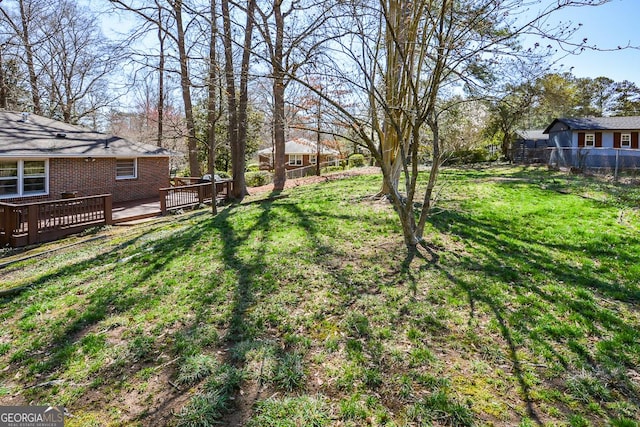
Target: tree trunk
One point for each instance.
(229, 77)
(239, 164)
(237, 108)
(33, 79)
(395, 42)
(185, 84)
(318, 136)
(212, 116)
(161, 38)
(4, 93)
(280, 173)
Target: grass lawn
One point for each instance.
(308, 311)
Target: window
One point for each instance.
(625, 140)
(295, 159)
(126, 169)
(23, 178)
(9, 178)
(313, 158)
(34, 177)
(590, 140)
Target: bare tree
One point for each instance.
(171, 19)
(65, 56)
(12, 93)
(214, 102)
(286, 52)
(23, 21)
(162, 37)
(237, 98)
(77, 61)
(403, 57)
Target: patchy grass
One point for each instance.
(308, 310)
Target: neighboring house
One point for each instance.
(529, 146)
(597, 142)
(299, 153)
(44, 159)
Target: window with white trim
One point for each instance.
(625, 140)
(34, 177)
(23, 178)
(313, 159)
(590, 140)
(295, 159)
(126, 168)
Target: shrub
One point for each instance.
(256, 179)
(356, 160)
(466, 156)
(253, 167)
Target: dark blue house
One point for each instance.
(529, 146)
(595, 142)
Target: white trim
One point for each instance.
(296, 159)
(589, 139)
(21, 177)
(135, 169)
(623, 143)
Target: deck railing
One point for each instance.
(185, 196)
(27, 223)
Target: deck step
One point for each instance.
(134, 218)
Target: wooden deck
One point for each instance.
(35, 222)
(135, 210)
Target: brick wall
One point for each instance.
(99, 177)
(89, 178)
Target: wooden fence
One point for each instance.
(28, 223)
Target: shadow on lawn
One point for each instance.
(51, 352)
(551, 307)
(253, 289)
(249, 269)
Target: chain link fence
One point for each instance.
(592, 159)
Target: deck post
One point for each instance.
(108, 209)
(8, 225)
(163, 201)
(32, 221)
(200, 194)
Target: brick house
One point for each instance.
(300, 153)
(44, 159)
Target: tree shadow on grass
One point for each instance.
(544, 303)
(54, 345)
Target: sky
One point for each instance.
(616, 23)
(613, 24)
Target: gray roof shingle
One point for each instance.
(532, 134)
(40, 137)
(599, 123)
(302, 146)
